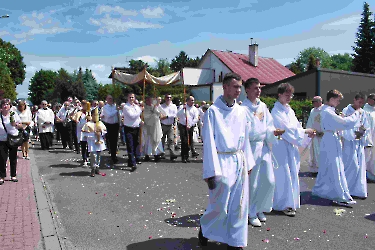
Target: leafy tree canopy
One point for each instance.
(14, 61)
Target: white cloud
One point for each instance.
(109, 25)
(117, 9)
(152, 13)
(150, 60)
(38, 24)
(98, 67)
(343, 23)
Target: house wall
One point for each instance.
(212, 62)
(201, 93)
(347, 83)
(194, 76)
(304, 87)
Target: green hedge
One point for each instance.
(301, 107)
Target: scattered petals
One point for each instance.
(324, 231)
(339, 211)
(268, 229)
(266, 240)
(103, 174)
(150, 237)
(297, 239)
(90, 212)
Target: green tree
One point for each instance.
(78, 86)
(40, 84)
(7, 87)
(312, 62)
(136, 66)
(363, 60)
(103, 91)
(296, 67)
(304, 55)
(162, 68)
(90, 84)
(14, 61)
(63, 86)
(180, 61)
(342, 62)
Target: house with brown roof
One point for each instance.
(218, 63)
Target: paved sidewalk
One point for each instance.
(20, 228)
(25, 211)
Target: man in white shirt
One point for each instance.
(109, 116)
(167, 123)
(45, 120)
(132, 122)
(186, 127)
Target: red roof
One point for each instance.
(268, 70)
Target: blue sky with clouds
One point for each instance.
(51, 34)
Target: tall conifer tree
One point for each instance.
(364, 50)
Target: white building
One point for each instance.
(206, 80)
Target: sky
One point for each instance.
(70, 34)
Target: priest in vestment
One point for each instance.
(331, 181)
(286, 152)
(45, 119)
(354, 149)
(314, 123)
(152, 130)
(262, 135)
(369, 108)
(227, 160)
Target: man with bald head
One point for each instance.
(186, 127)
(314, 123)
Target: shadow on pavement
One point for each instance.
(307, 174)
(78, 173)
(174, 244)
(308, 198)
(370, 217)
(64, 165)
(185, 221)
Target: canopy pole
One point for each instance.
(186, 118)
(143, 118)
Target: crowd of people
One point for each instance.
(252, 156)
(89, 128)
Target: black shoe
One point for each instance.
(173, 158)
(147, 158)
(187, 160)
(183, 161)
(230, 248)
(115, 161)
(195, 154)
(92, 174)
(97, 171)
(177, 147)
(133, 169)
(202, 240)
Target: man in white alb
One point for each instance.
(369, 108)
(226, 165)
(262, 135)
(314, 122)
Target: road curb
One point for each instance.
(48, 228)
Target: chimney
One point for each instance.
(317, 63)
(253, 53)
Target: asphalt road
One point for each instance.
(159, 205)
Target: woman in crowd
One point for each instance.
(10, 123)
(26, 122)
